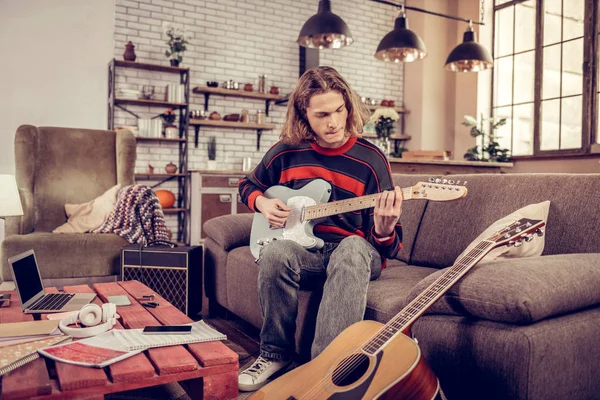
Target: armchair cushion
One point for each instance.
(230, 231)
(521, 291)
(70, 255)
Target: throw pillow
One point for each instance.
(89, 216)
(528, 249)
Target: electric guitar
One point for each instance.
(370, 360)
(310, 204)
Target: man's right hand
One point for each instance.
(275, 211)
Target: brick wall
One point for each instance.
(239, 40)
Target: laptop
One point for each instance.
(30, 289)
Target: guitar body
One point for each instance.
(343, 372)
(316, 192)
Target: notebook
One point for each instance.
(13, 357)
(28, 281)
(134, 339)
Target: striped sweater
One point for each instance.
(357, 168)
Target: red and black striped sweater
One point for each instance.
(357, 168)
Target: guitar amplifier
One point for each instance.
(174, 273)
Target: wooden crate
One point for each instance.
(426, 155)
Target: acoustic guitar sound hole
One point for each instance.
(350, 370)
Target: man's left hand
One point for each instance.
(388, 209)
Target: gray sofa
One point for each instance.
(525, 328)
(55, 166)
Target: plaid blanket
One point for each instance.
(137, 217)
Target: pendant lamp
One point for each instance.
(325, 30)
(469, 56)
(401, 44)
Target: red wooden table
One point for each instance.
(205, 370)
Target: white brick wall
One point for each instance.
(240, 40)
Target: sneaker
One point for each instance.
(255, 377)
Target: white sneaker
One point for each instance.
(255, 377)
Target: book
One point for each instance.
(28, 329)
(15, 356)
(134, 339)
(118, 344)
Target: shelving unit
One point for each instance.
(208, 91)
(182, 177)
(397, 138)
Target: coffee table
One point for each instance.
(205, 370)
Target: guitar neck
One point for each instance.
(429, 296)
(343, 206)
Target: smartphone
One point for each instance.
(167, 330)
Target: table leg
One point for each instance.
(215, 387)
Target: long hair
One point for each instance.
(314, 81)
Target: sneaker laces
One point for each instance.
(258, 367)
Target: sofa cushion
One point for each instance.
(386, 296)
(67, 255)
(521, 291)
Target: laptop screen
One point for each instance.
(27, 277)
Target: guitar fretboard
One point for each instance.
(343, 206)
(433, 292)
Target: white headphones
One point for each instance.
(90, 315)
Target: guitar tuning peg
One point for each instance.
(438, 180)
(465, 183)
(444, 181)
(458, 182)
(539, 232)
(511, 243)
(529, 238)
(451, 181)
(518, 243)
(432, 180)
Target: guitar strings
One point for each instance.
(348, 365)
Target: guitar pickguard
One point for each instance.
(315, 192)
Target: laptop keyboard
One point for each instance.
(52, 301)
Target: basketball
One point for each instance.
(166, 198)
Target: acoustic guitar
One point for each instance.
(370, 360)
(309, 205)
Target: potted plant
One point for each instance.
(170, 129)
(490, 149)
(211, 148)
(177, 41)
(384, 119)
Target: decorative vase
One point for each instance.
(171, 132)
(174, 63)
(170, 168)
(384, 145)
(129, 54)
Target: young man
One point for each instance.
(320, 139)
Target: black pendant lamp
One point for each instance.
(325, 30)
(469, 56)
(401, 44)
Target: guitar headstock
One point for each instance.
(439, 190)
(518, 231)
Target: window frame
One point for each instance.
(590, 93)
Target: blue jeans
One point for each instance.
(285, 267)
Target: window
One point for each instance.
(545, 81)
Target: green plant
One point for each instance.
(211, 147)
(177, 41)
(384, 119)
(490, 149)
(168, 116)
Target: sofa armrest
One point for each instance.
(230, 231)
(521, 291)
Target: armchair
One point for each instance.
(55, 166)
